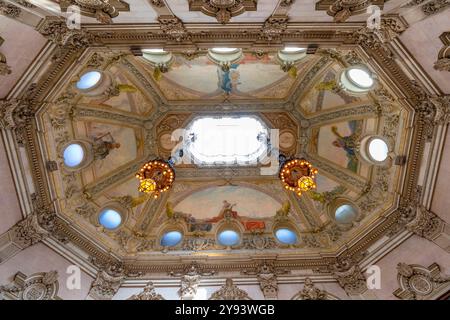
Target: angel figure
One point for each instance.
(349, 143)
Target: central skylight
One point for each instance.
(227, 140)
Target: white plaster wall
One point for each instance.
(40, 258)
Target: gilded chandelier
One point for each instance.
(155, 177)
(298, 175)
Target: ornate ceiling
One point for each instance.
(141, 106)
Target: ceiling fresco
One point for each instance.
(252, 77)
(346, 122)
(134, 118)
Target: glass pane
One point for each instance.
(224, 50)
(378, 149)
(227, 140)
(228, 238)
(171, 238)
(286, 236)
(89, 80)
(345, 213)
(73, 155)
(110, 219)
(360, 77)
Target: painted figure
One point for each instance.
(349, 143)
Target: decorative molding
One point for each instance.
(348, 274)
(105, 286)
(428, 225)
(173, 28)
(38, 286)
(102, 10)
(229, 291)
(190, 279)
(311, 292)
(428, 7)
(443, 61)
(419, 283)
(55, 29)
(148, 293)
(223, 10)
(273, 28)
(9, 10)
(266, 273)
(341, 10)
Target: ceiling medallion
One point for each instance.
(298, 175)
(222, 10)
(155, 177)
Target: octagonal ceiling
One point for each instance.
(317, 121)
(128, 118)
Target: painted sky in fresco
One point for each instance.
(207, 203)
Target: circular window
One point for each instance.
(224, 50)
(357, 79)
(154, 51)
(293, 50)
(110, 219)
(286, 236)
(228, 238)
(171, 238)
(89, 80)
(345, 213)
(73, 155)
(360, 77)
(378, 149)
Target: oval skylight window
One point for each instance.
(378, 149)
(286, 236)
(171, 238)
(293, 49)
(73, 155)
(89, 80)
(110, 219)
(157, 50)
(228, 238)
(345, 213)
(224, 50)
(360, 77)
(228, 140)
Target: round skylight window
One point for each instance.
(378, 149)
(89, 80)
(360, 77)
(345, 213)
(73, 155)
(293, 50)
(171, 238)
(357, 79)
(228, 238)
(154, 51)
(286, 236)
(110, 219)
(224, 50)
